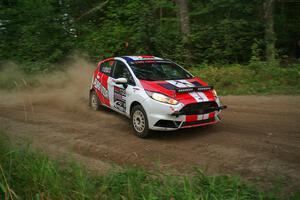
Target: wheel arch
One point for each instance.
(133, 104)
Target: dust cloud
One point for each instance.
(66, 90)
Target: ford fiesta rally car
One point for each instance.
(156, 94)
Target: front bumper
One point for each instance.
(166, 117)
(169, 125)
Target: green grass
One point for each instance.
(28, 174)
(256, 78)
(13, 78)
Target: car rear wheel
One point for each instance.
(139, 122)
(94, 101)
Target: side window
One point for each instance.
(121, 71)
(106, 67)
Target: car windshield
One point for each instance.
(154, 71)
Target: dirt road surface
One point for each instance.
(259, 137)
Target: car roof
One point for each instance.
(140, 58)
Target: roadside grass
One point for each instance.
(29, 174)
(255, 78)
(13, 78)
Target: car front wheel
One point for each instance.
(139, 122)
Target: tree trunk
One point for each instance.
(185, 28)
(269, 30)
(184, 16)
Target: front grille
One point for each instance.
(199, 122)
(199, 108)
(167, 123)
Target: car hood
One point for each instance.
(168, 88)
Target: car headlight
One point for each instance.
(214, 92)
(162, 98)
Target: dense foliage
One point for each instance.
(221, 31)
(26, 174)
(255, 78)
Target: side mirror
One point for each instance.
(121, 80)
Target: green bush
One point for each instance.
(255, 78)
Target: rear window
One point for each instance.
(106, 67)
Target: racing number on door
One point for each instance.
(120, 96)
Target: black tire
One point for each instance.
(139, 122)
(94, 101)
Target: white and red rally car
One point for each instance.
(156, 94)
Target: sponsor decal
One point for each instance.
(106, 70)
(194, 89)
(191, 118)
(120, 98)
(143, 61)
(97, 84)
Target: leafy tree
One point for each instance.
(191, 32)
(35, 30)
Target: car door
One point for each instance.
(118, 93)
(101, 81)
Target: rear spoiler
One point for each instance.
(194, 89)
